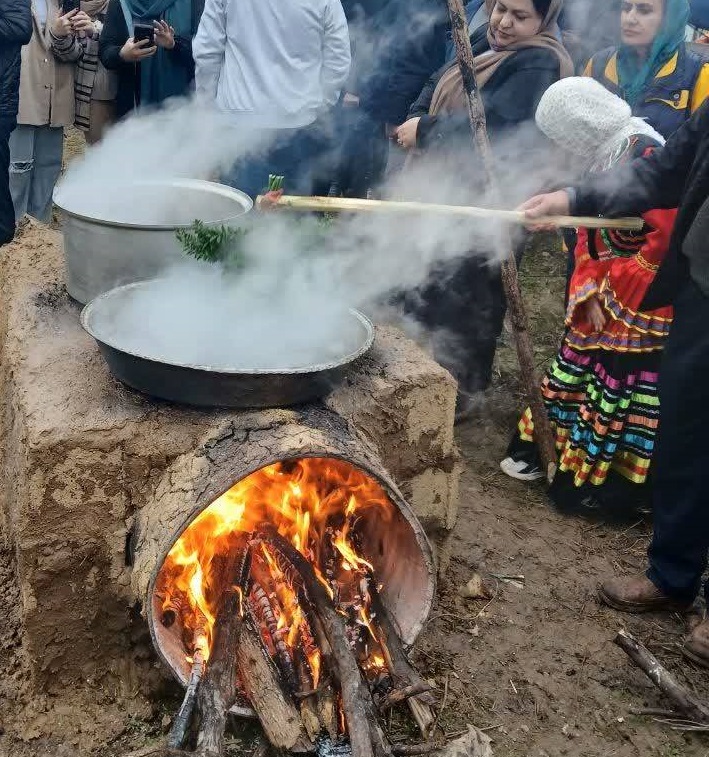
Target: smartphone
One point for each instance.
(144, 31)
(70, 5)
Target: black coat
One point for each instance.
(15, 31)
(675, 176)
(510, 96)
(115, 34)
(410, 42)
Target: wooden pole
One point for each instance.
(358, 205)
(543, 433)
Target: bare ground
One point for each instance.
(535, 666)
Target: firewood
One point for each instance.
(181, 723)
(543, 433)
(683, 700)
(366, 736)
(279, 716)
(219, 687)
(395, 696)
(401, 669)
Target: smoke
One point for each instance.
(290, 306)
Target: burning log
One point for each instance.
(261, 679)
(403, 672)
(366, 737)
(181, 724)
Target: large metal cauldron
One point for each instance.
(128, 233)
(202, 386)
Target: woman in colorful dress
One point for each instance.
(601, 390)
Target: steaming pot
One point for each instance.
(128, 233)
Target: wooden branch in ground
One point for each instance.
(682, 699)
(159, 751)
(543, 433)
(402, 671)
(261, 679)
(414, 750)
(366, 736)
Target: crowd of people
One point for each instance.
(350, 91)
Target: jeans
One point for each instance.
(35, 165)
(302, 156)
(7, 211)
(678, 552)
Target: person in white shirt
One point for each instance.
(279, 67)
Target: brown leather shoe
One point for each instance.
(637, 594)
(696, 645)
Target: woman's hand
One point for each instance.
(62, 25)
(82, 23)
(595, 314)
(407, 132)
(134, 52)
(164, 35)
(553, 204)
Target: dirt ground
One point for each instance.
(535, 666)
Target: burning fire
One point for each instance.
(315, 503)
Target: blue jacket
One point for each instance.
(677, 91)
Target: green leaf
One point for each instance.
(214, 244)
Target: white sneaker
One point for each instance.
(521, 470)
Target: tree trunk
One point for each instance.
(543, 433)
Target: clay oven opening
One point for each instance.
(363, 545)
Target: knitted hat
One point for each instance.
(584, 118)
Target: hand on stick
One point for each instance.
(553, 204)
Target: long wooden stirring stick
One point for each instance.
(355, 205)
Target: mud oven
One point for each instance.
(123, 511)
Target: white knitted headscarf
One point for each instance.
(584, 118)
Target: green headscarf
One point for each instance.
(163, 75)
(633, 74)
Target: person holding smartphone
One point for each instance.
(46, 106)
(148, 43)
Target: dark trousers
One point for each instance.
(303, 156)
(7, 211)
(678, 553)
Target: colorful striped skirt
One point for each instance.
(604, 408)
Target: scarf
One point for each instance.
(635, 74)
(585, 119)
(163, 75)
(450, 96)
(94, 8)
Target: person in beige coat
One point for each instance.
(46, 106)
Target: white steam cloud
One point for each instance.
(290, 307)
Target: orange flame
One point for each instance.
(314, 502)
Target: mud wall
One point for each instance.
(81, 455)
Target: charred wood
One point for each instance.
(395, 696)
(181, 724)
(366, 736)
(402, 671)
(279, 717)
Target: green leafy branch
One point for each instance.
(214, 244)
